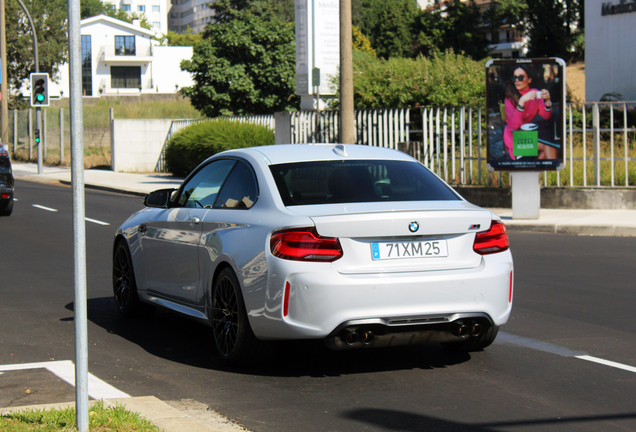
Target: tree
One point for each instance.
(189, 38)
(388, 25)
(227, 10)
(361, 42)
(91, 8)
(51, 23)
(454, 26)
(244, 65)
(553, 27)
(444, 79)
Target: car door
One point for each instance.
(171, 240)
(231, 228)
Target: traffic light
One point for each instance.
(39, 89)
(37, 136)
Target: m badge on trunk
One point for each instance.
(414, 226)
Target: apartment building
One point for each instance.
(193, 14)
(155, 11)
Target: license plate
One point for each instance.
(410, 249)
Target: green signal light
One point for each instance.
(40, 97)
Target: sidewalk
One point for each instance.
(580, 222)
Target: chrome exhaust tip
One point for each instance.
(367, 337)
(351, 337)
(461, 329)
(476, 329)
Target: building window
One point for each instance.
(156, 25)
(141, 8)
(125, 76)
(156, 8)
(87, 70)
(125, 7)
(124, 45)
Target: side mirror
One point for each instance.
(159, 198)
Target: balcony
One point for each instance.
(108, 54)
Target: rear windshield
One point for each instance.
(328, 182)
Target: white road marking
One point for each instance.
(44, 208)
(558, 350)
(607, 363)
(95, 221)
(98, 222)
(65, 370)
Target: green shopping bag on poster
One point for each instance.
(525, 143)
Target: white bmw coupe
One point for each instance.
(357, 245)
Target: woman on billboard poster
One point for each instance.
(522, 104)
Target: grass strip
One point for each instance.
(101, 419)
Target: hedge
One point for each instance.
(192, 145)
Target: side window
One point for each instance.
(240, 190)
(202, 189)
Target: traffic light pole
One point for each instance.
(38, 111)
(38, 125)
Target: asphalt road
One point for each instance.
(566, 360)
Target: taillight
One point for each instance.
(492, 241)
(6, 195)
(304, 244)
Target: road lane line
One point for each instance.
(607, 363)
(65, 370)
(558, 350)
(44, 208)
(95, 221)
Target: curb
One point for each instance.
(106, 188)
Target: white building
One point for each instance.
(155, 11)
(122, 58)
(610, 57)
(194, 14)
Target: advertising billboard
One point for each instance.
(317, 44)
(525, 102)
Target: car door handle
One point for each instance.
(194, 221)
(142, 228)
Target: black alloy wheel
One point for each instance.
(233, 336)
(124, 285)
(7, 208)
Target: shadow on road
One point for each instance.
(410, 422)
(175, 338)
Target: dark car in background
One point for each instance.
(6, 183)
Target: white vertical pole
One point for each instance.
(445, 129)
(79, 212)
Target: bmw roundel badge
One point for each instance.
(414, 226)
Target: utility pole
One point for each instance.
(347, 133)
(4, 102)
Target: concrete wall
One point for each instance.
(136, 144)
(610, 54)
(555, 198)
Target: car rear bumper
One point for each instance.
(321, 304)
